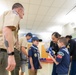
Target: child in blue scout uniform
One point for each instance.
(62, 60)
(34, 61)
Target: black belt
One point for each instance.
(3, 50)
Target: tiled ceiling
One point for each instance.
(42, 14)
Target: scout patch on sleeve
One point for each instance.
(60, 55)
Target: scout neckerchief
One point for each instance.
(66, 50)
(37, 52)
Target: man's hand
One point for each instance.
(11, 63)
(8, 40)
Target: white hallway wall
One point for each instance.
(67, 29)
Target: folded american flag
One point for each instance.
(50, 51)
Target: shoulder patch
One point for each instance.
(59, 56)
(61, 53)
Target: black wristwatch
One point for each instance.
(12, 53)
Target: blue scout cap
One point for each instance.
(35, 39)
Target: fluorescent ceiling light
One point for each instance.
(71, 16)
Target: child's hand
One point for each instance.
(32, 68)
(40, 67)
(49, 54)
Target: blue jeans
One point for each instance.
(54, 69)
(73, 68)
(62, 74)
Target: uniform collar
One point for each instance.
(65, 49)
(62, 47)
(14, 12)
(34, 46)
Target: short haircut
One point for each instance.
(29, 34)
(63, 40)
(17, 5)
(69, 36)
(56, 34)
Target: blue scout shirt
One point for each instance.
(34, 53)
(63, 58)
(72, 48)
